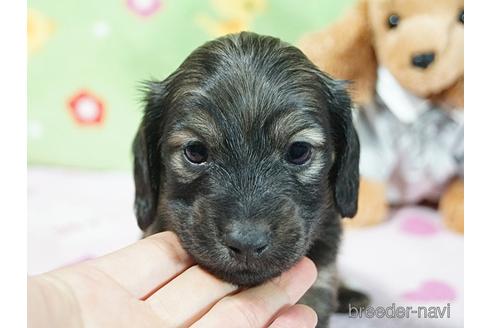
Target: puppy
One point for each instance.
(248, 153)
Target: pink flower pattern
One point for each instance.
(144, 8)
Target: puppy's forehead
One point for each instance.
(250, 91)
(248, 118)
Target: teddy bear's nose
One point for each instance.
(423, 60)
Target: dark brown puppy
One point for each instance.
(247, 151)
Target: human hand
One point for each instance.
(154, 283)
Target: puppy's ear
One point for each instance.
(344, 50)
(146, 153)
(344, 174)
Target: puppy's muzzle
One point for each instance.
(247, 241)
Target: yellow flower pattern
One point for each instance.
(231, 16)
(39, 30)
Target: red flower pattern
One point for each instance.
(86, 108)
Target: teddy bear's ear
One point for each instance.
(344, 50)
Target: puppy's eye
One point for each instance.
(196, 153)
(393, 20)
(299, 153)
(461, 16)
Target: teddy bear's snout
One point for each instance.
(423, 60)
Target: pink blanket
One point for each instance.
(409, 261)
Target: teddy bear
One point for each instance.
(404, 64)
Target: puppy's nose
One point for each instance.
(247, 243)
(423, 60)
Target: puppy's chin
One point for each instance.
(247, 277)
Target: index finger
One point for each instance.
(146, 265)
(256, 307)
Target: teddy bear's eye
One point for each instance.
(461, 16)
(393, 20)
(299, 153)
(196, 153)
